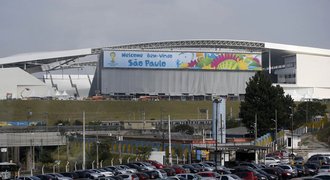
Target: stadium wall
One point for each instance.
(173, 82)
(312, 71)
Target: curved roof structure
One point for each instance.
(45, 61)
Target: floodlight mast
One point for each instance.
(216, 101)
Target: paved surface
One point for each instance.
(310, 145)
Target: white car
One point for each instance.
(126, 168)
(270, 160)
(190, 176)
(104, 172)
(229, 177)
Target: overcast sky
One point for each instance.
(46, 25)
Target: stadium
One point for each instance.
(186, 70)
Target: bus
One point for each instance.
(8, 170)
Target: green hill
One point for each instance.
(53, 111)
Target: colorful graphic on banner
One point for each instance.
(181, 60)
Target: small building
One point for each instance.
(289, 140)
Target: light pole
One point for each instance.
(216, 101)
(275, 120)
(97, 150)
(291, 130)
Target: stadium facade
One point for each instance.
(170, 69)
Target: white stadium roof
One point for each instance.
(298, 49)
(67, 54)
(37, 56)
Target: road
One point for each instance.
(310, 145)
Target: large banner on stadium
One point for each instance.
(181, 60)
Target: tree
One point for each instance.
(262, 99)
(307, 110)
(184, 128)
(45, 156)
(144, 152)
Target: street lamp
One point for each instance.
(97, 153)
(291, 130)
(275, 120)
(275, 141)
(216, 101)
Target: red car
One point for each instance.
(178, 169)
(157, 164)
(247, 175)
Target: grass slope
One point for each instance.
(53, 111)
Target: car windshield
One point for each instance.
(325, 167)
(285, 167)
(148, 164)
(206, 165)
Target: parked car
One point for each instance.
(126, 168)
(312, 168)
(169, 171)
(191, 168)
(222, 171)
(319, 159)
(302, 171)
(70, 174)
(46, 177)
(207, 167)
(289, 169)
(270, 160)
(156, 174)
(138, 168)
(322, 176)
(209, 175)
(252, 165)
(247, 175)
(28, 178)
(178, 169)
(190, 176)
(145, 165)
(324, 169)
(103, 172)
(199, 167)
(274, 171)
(239, 169)
(114, 170)
(157, 164)
(298, 160)
(142, 176)
(269, 176)
(88, 174)
(60, 176)
(175, 178)
(129, 176)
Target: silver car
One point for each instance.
(324, 169)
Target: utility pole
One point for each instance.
(162, 130)
(255, 129)
(306, 113)
(97, 150)
(256, 136)
(275, 129)
(292, 132)
(84, 143)
(216, 102)
(169, 141)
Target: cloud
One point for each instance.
(44, 25)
